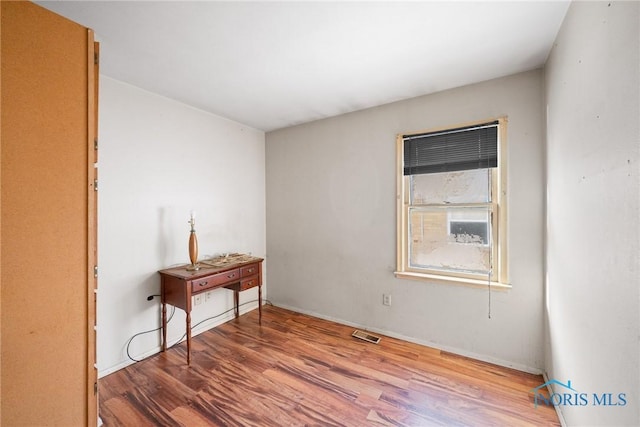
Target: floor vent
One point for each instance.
(365, 336)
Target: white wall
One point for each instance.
(593, 214)
(159, 159)
(331, 224)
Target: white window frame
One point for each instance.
(498, 206)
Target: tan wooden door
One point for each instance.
(48, 219)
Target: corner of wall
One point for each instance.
(592, 235)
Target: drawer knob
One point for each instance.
(204, 284)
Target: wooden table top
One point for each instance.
(211, 266)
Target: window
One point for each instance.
(452, 204)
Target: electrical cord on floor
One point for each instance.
(173, 311)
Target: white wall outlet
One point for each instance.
(197, 299)
(207, 296)
(386, 299)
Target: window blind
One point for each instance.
(474, 147)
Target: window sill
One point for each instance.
(474, 283)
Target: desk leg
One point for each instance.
(236, 303)
(260, 303)
(188, 338)
(164, 326)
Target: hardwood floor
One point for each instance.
(297, 370)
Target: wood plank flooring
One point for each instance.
(297, 370)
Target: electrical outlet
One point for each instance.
(207, 296)
(197, 299)
(386, 299)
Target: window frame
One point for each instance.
(498, 206)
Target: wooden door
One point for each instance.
(47, 302)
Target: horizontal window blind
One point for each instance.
(474, 147)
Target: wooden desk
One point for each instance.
(236, 272)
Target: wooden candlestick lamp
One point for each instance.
(193, 245)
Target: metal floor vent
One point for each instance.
(365, 336)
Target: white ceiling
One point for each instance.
(274, 64)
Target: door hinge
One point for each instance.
(95, 388)
(96, 58)
(95, 144)
(95, 185)
(95, 271)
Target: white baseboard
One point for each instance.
(557, 407)
(458, 351)
(205, 326)
(215, 322)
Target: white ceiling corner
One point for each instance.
(273, 64)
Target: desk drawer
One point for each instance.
(249, 270)
(249, 282)
(215, 280)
